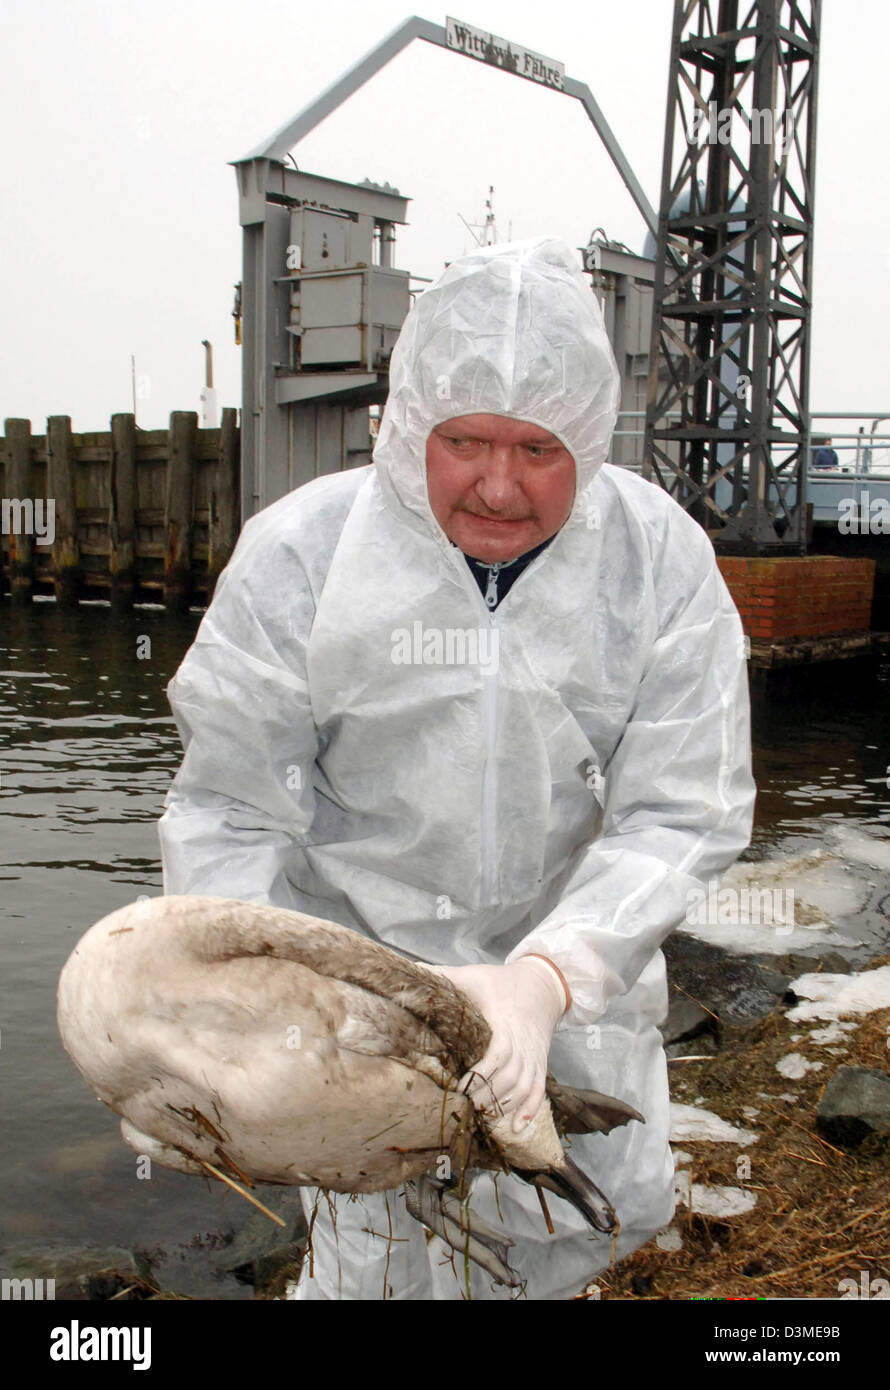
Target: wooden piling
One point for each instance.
(178, 509)
(120, 514)
(225, 501)
(62, 496)
(122, 510)
(18, 489)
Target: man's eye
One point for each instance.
(539, 451)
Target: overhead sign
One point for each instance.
(500, 53)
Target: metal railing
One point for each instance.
(868, 461)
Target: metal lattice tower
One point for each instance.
(727, 411)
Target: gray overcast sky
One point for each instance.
(120, 228)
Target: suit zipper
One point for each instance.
(491, 586)
(489, 776)
(488, 836)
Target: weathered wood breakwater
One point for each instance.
(128, 514)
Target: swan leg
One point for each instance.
(434, 1205)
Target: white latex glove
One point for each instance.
(522, 1002)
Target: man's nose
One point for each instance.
(498, 485)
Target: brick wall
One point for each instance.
(799, 596)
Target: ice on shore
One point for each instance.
(792, 902)
(830, 996)
(864, 849)
(777, 905)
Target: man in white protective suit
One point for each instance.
(486, 701)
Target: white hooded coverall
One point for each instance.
(366, 742)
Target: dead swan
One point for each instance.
(285, 1049)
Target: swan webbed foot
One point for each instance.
(435, 1205)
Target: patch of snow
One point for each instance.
(795, 1066)
(691, 1125)
(829, 996)
(833, 1033)
(713, 1201)
(750, 1112)
(788, 1096)
(681, 1157)
(669, 1239)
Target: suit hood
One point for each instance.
(511, 330)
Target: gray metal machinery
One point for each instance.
(321, 301)
(623, 283)
(726, 425)
(322, 305)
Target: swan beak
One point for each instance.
(567, 1181)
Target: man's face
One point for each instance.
(498, 487)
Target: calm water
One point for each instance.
(87, 750)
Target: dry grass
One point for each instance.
(822, 1213)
